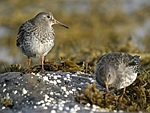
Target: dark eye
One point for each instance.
(48, 16)
(109, 75)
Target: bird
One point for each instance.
(35, 37)
(117, 70)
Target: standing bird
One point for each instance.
(117, 70)
(36, 36)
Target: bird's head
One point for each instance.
(47, 18)
(105, 75)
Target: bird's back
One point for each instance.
(117, 58)
(24, 31)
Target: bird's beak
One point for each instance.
(106, 83)
(57, 22)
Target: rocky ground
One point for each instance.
(66, 87)
(43, 92)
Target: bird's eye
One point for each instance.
(109, 75)
(48, 16)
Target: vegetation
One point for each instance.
(96, 28)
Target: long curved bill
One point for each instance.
(57, 22)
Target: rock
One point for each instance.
(42, 92)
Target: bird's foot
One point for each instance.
(124, 96)
(29, 71)
(42, 70)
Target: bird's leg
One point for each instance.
(29, 62)
(124, 95)
(42, 70)
(124, 91)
